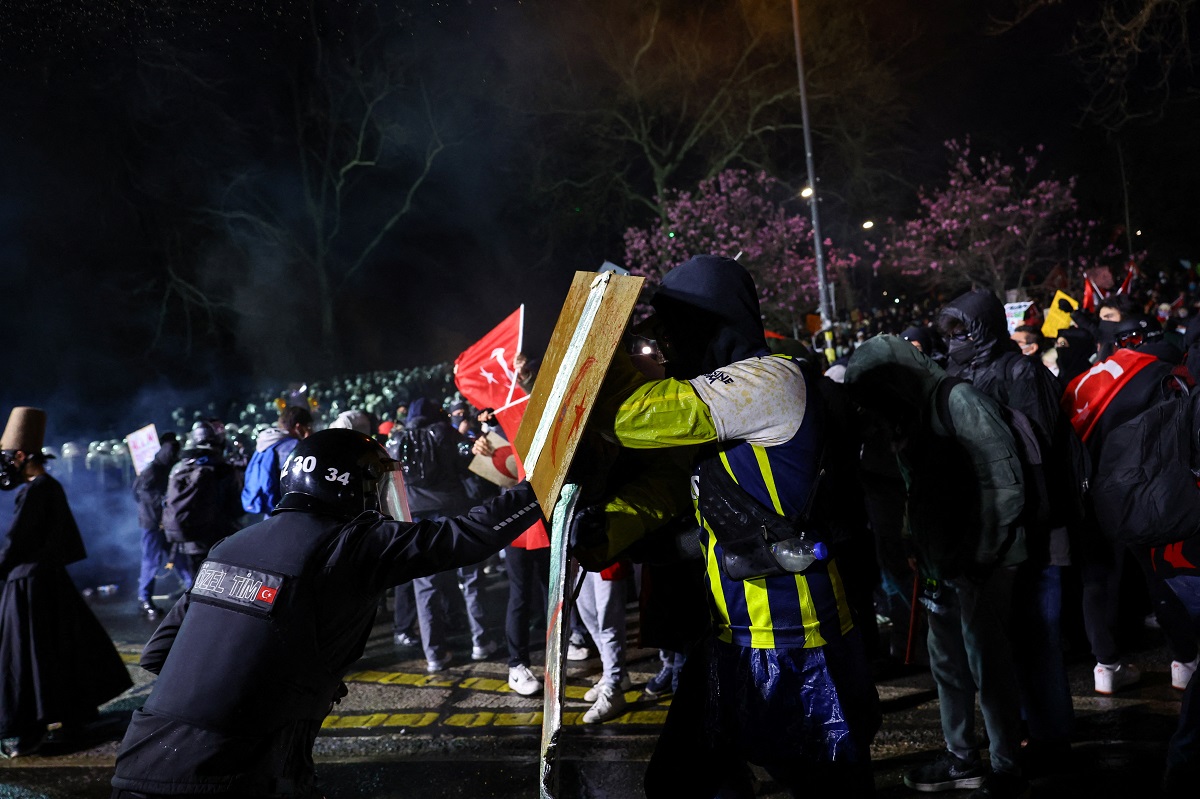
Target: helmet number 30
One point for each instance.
(308, 465)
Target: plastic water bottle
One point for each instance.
(797, 554)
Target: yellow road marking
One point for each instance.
(481, 719)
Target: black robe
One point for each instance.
(57, 663)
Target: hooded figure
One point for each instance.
(963, 477)
(981, 351)
(781, 678)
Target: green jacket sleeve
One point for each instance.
(993, 452)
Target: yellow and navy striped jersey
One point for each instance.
(758, 407)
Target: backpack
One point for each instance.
(192, 502)
(1068, 475)
(1037, 507)
(1145, 491)
(417, 451)
(838, 507)
(260, 491)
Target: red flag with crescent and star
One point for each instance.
(486, 376)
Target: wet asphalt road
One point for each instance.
(462, 733)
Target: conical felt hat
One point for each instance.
(26, 430)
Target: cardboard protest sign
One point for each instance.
(1014, 314)
(501, 467)
(143, 445)
(585, 338)
(589, 328)
(1057, 318)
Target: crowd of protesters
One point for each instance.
(1003, 548)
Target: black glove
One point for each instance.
(588, 538)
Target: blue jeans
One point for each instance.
(1183, 752)
(154, 554)
(1037, 651)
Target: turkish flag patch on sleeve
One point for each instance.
(267, 594)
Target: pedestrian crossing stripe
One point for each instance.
(376, 721)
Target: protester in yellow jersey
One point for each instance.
(782, 681)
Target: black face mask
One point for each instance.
(961, 351)
(11, 475)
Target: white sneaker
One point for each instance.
(1112, 678)
(484, 652)
(1181, 673)
(577, 652)
(521, 680)
(593, 692)
(610, 703)
(434, 666)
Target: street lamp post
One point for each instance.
(818, 247)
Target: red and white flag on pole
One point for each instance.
(485, 375)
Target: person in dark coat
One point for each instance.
(57, 664)
(982, 351)
(436, 490)
(203, 502)
(251, 659)
(149, 489)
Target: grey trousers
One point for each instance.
(970, 652)
(601, 606)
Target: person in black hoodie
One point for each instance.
(981, 351)
(780, 680)
(435, 458)
(149, 489)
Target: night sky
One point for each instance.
(151, 206)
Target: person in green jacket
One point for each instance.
(963, 476)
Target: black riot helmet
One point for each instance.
(341, 472)
(204, 435)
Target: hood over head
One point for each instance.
(708, 307)
(423, 412)
(168, 453)
(891, 378)
(982, 316)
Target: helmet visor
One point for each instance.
(393, 496)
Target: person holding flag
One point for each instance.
(493, 374)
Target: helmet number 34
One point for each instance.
(308, 465)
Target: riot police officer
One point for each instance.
(250, 660)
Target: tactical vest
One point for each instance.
(245, 660)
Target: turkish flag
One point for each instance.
(485, 374)
(267, 594)
(1088, 395)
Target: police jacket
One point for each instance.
(250, 660)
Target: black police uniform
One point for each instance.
(251, 659)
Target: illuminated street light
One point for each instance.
(806, 192)
(868, 225)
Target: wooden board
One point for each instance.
(585, 337)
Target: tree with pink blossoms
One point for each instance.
(751, 217)
(993, 225)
